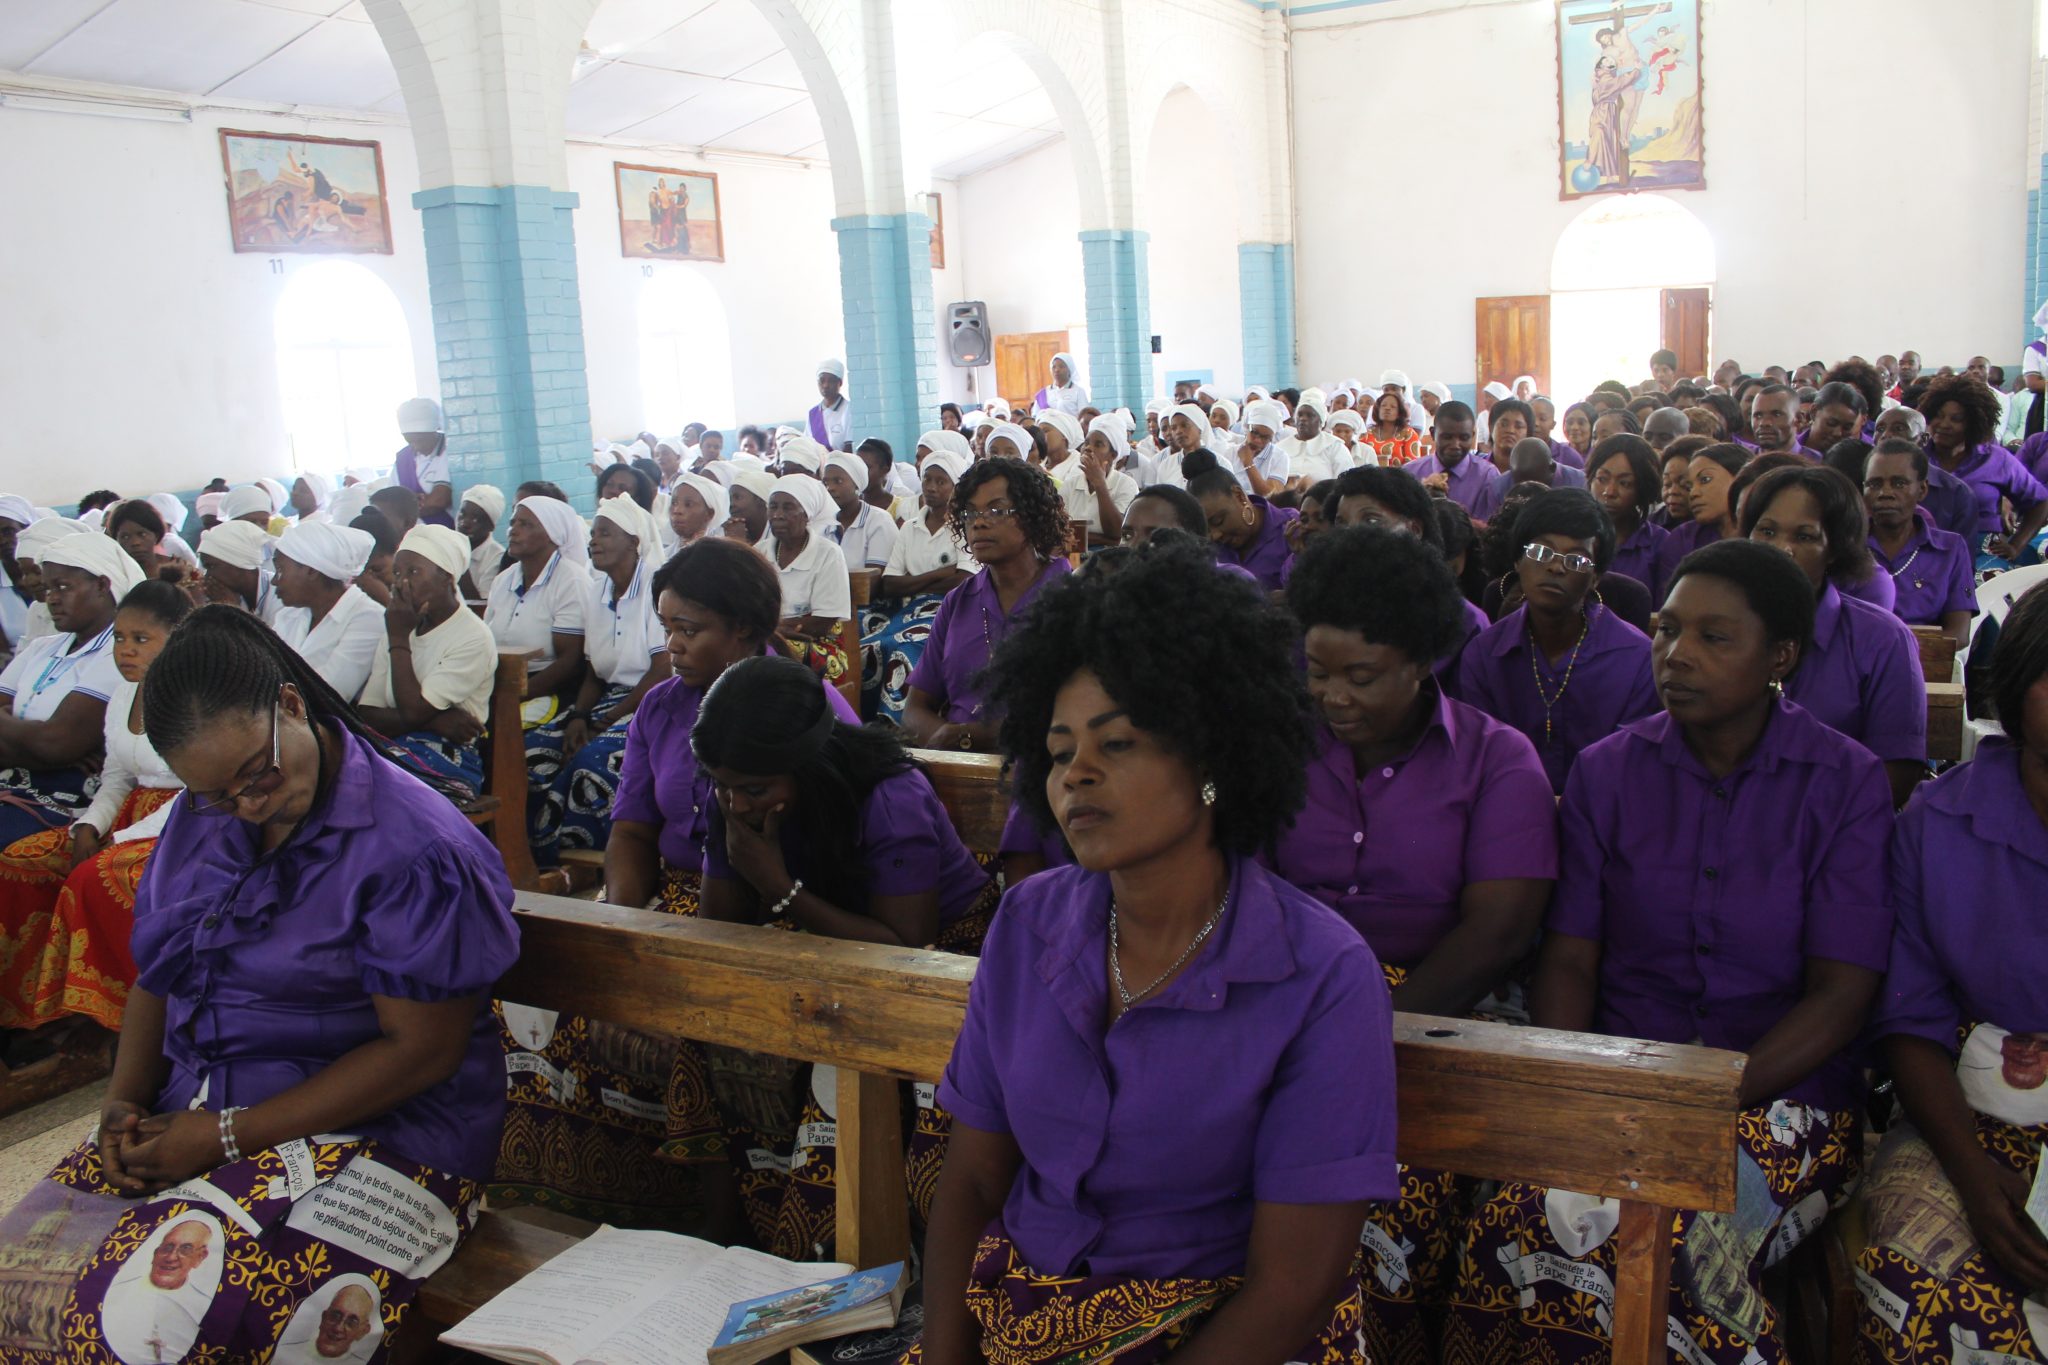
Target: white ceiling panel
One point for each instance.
(187, 45)
(1033, 110)
(322, 8)
(338, 64)
(723, 109)
(29, 26)
(779, 134)
(619, 26)
(991, 153)
(616, 95)
(779, 70)
(982, 86)
(720, 41)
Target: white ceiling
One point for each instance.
(692, 73)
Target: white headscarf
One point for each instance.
(1073, 368)
(419, 415)
(636, 521)
(1259, 391)
(1065, 424)
(1437, 387)
(1396, 378)
(558, 520)
(39, 537)
(853, 466)
(713, 493)
(834, 367)
(801, 451)
(100, 556)
(171, 508)
(17, 510)
(757, 481)
(972, 421)
(953, 463)
(348, 504)
(1522, 379)
(488, 499)
(810, 495)
(1193, 414)
(949, 441)
(1497, 389)
(1265, 413)
(1229, 413)
(1015, 435)
(446, 550)
(280, 496)
(337, 552)
(1346, 417)
(240, 502)
(1110, 427)
(321, 489)
(236, 543)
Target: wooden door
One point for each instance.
(1024, 363)
(1686, 315)
(1512, 339)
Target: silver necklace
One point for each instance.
(1116, 966)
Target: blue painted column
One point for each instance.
(508, 334)
(1265, 290)
(2037, 257)
(885, 289)
(1114, 269)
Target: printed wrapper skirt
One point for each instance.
(572, 807)
(782, 1132)
(445, 758)
(1535, 1278)
(1927, 1291)
(63, 930)
(1031, 1319)
(892, 640)
(303, 1253)
(600, 1120)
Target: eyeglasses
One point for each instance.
(1536, 552)
(264, 783)
(973, 514)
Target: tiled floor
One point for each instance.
(32, 1140)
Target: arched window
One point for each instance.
(344, 364)
(685, 353)
(1607, 278)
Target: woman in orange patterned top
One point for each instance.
(1396, 442)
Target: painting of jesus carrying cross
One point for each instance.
(1629, 96)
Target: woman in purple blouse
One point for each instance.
(1723, 882)
(309, 1088)
(1247, 530)
(1861, 674)
(822, 827)
(1963, 1024)
(1962, 428)
(1173, 1092)
(1622, 475)
(1015, 525)
(1709, 488)
(1932, 571)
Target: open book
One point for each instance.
(622, 1297)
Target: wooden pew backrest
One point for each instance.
(971, 788)
(506, 763)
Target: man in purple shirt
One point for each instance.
(1452, 471)
(1247, 530)
(1774, 422)
(1931, 570)
(1531, 461)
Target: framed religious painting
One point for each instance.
(1630, 97)
(292, 193)
(669, 215)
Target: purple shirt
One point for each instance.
(1022, 835)
(1264, 1073)
(1607, 686)
(1393, 848)
(1495, 493)
(1969, 947)
(1707, 895)
(1473, 476)
(1934, 573)
(1951, 502)
(969, 624)
(1565, 453)
(1992, 472)
(1878, 590)
(1267, 556)
(1636, 558)
(267, 966)
(658, 779)
(1680, 541)
(908, 846)
(1863, 677)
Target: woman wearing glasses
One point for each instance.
(316, 943)
(1563, 670)
(1015, 525)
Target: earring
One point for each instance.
(1208, 793)
(1777, 687)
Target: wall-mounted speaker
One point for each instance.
(968, 342)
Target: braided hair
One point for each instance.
(222, 659)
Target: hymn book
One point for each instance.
(626, 1297)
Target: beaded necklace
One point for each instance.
(1550, 700)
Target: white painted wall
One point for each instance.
(1021, 224)
(1188, 211)
(1866, 162)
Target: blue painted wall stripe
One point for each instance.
(1265, 285)
(885, 287)
(1115, 271)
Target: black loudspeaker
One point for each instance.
(967, 337)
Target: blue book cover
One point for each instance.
(757, 1328)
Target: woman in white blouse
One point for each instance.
(864, 533)
(67, 905)
(536, 603)
(928, 562)
(628, 653)
(816, 593)
(333, 624)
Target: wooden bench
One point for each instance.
(1650, 1125)
(1938, 651)
(1945, 722)
(501, 808)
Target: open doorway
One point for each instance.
(1609, 277)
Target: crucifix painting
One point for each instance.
(1629, 95)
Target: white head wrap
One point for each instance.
(1347, 417)
(810, 495)
(1066, 425)
(39, 537)
(1265, 413)
(17, 510)
(1497, 389)
(100, 556)
(240, 502)
(1522, 379)
(171, 508)
(1073, 367)
(488, 499)
(559, 522)
(802, 452)
(348, 504)
(1257, 391)
(953, 463)
(757, 481)
(1395, 378)
(446, 550)
(948, 440)
(280, 496)
(1229, 412)
(1158, 407)
(1015, 435)
(1214, 393)
(320, 487)
(1193, 414)
(1130, 423)
(834, 367)
(972, 421)
(636, 521)
(338, 552)
(1316, 396)
(742, 460)
(418, 415)
(1437, 387)
(713, 493)
(239, 544)
(1110, 427)
(853, 466)
(902, 480)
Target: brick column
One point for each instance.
(1114, 269)
(508, 334)
(885, 288)
(1265, 289)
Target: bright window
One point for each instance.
(685, 353)
(344, 364)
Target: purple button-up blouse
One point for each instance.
(659, 783)
(1392, 848)
(1863, 677)
(267, 964)
(1267, 557)
(1951, 502)
(1637, 557)
(1993, 472)
(1489, 501)
(969, 624)
(907, 843)
(1680, 541)
(1021, 834)
(1934, 573)
(1606, 687)
(1263, 1073)
(1707, 895)
(1969, 947)
(1473, 476)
